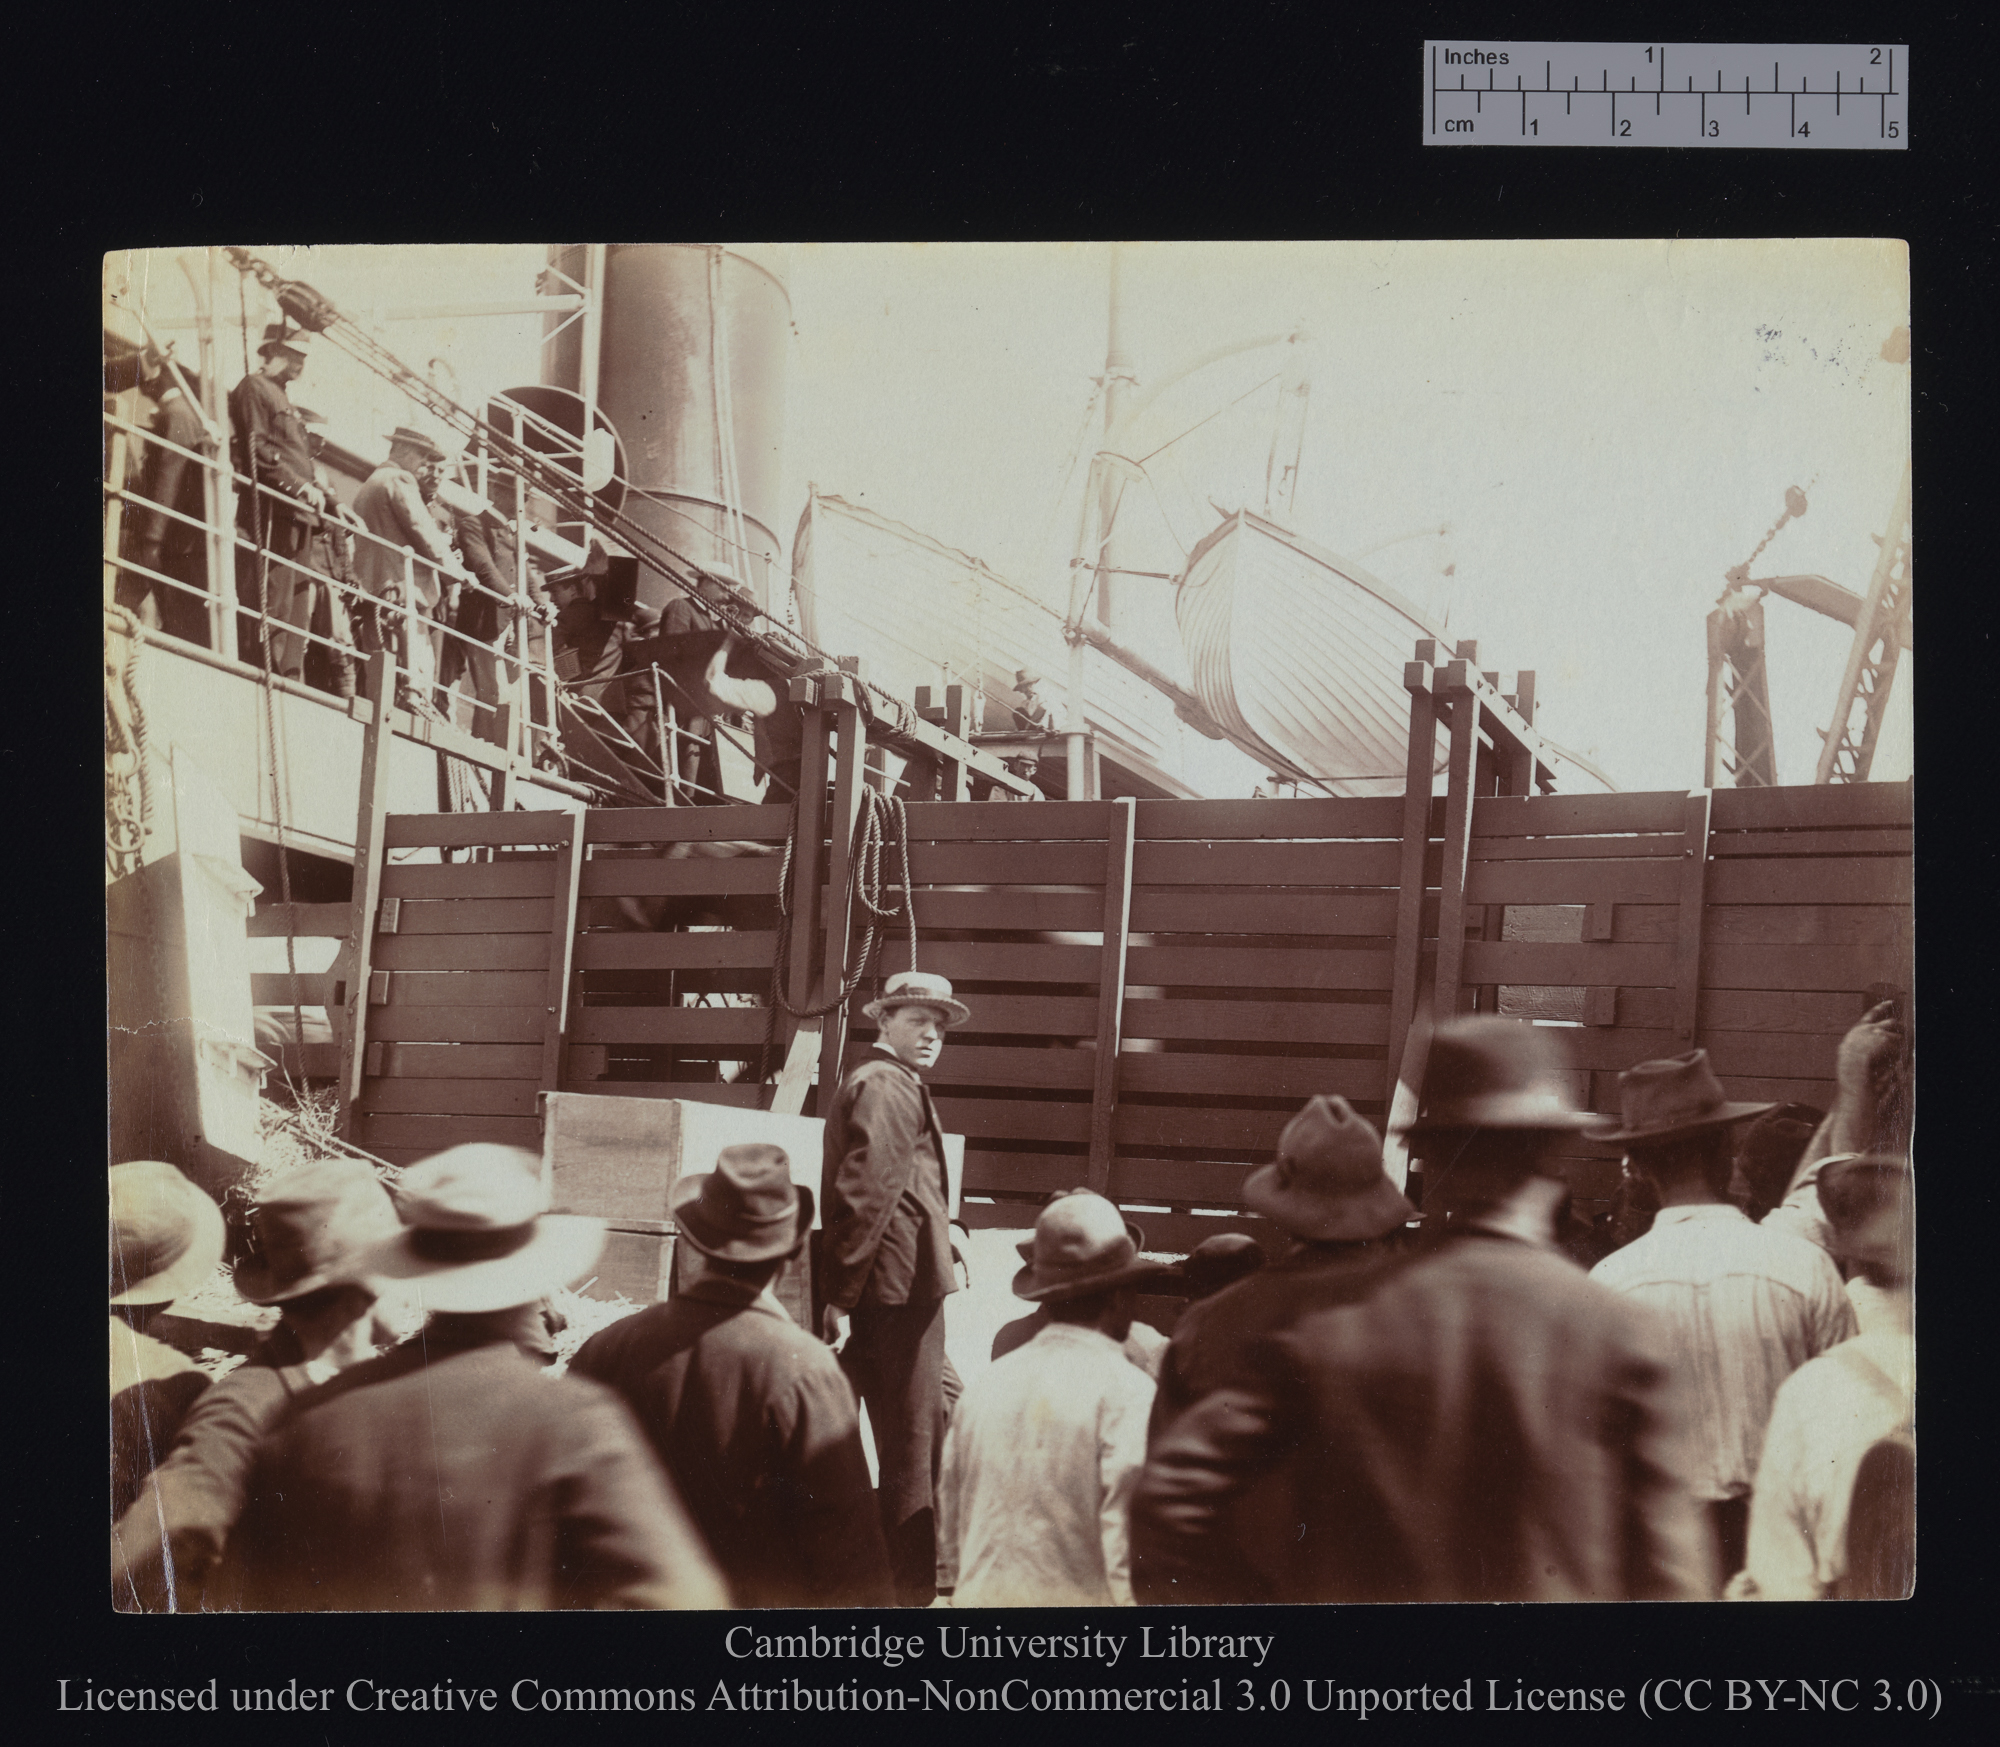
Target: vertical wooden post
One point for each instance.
(1456, 684)
(1118, 834)
(369, 849)
(1693, 894)
(562, 950)
(1408, 944)
(953, 785)
(847, 778)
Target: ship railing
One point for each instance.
(653, 742)
(526, 684)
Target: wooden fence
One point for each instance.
(1156, 986)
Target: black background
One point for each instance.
(1261, 119)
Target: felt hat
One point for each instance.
(747, 1209)
(1026, 1248)
(307, 416)
(918, 989)
(166, 1235)
(1675, 1096)
(1485, 1071)
(415, 439)
(311, 1222)
(279, 334)
(1773, 1144)
(1327, 1184)
(1221, 1261)
(475, 1237)
(1082, 1245)
(1026, 676)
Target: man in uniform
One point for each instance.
(277, 511)
(885, 1261)
(171, 545)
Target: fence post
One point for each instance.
(1409, 941)
(1456, 682)
(1693, 894)
(1118, 835)
(369, 850)
(562, 950)
(803, 899)
(847, 779)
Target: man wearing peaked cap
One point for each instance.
(1044, 1447)
(402, 534)
(166, 1239)
(751, 1415)
(1538, 1407)
(883, 1264)
(451, 1473)
(1744, 1305)
(1340, 1222)
(308, 1224)
(277, 510)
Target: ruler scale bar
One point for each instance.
(1823, 96)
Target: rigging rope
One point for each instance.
(125, 828)
(881, 819)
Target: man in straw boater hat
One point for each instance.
(166, 1239)
(1045, 1446)
(1743, 1305)
(1833, 1514)
(1328, 1193)
(279, 508)
(306, 1224)
(452, 1473)
(400, 535)
(883, 1264)
(751, 1414)
(1489, 1424)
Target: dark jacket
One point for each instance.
(168, 1541)
(885, 1202)
(269, 445)
(757, 1426)
(1491, 1425)
(487, 547)
(453, 1474)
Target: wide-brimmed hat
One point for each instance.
(1327, 1184)
(1868, 1201)
(747, 1209)
(166, 1235)
(1081, 1245)
(475, 1236)
(281, 334)
(1026, 676)
(919, 989)
(415, 439)
(1485, 1071)
(312, 1222)
(1677, 1095)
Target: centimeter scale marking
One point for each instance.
(1802, 96)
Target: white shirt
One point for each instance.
(1743, 1307)
(1826, 1416)
(1039, 1466)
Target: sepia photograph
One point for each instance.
(1008, 925)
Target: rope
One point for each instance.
(880, 817)
(125, 831)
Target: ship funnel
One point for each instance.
(691, 356)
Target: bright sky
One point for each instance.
(1600, 429)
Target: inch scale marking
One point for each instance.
(1798, 96)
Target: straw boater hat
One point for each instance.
(918, 989)
(279, 335)
(1680, 1095)
(747, 1209)
(1327, 1184)
(311, 1223)
(1082, 1245)
(166, 1235)
(475, 1236)
(415, 439)
(1488, 1072)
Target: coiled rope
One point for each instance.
(883, 821)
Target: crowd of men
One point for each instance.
(1392, 1409)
